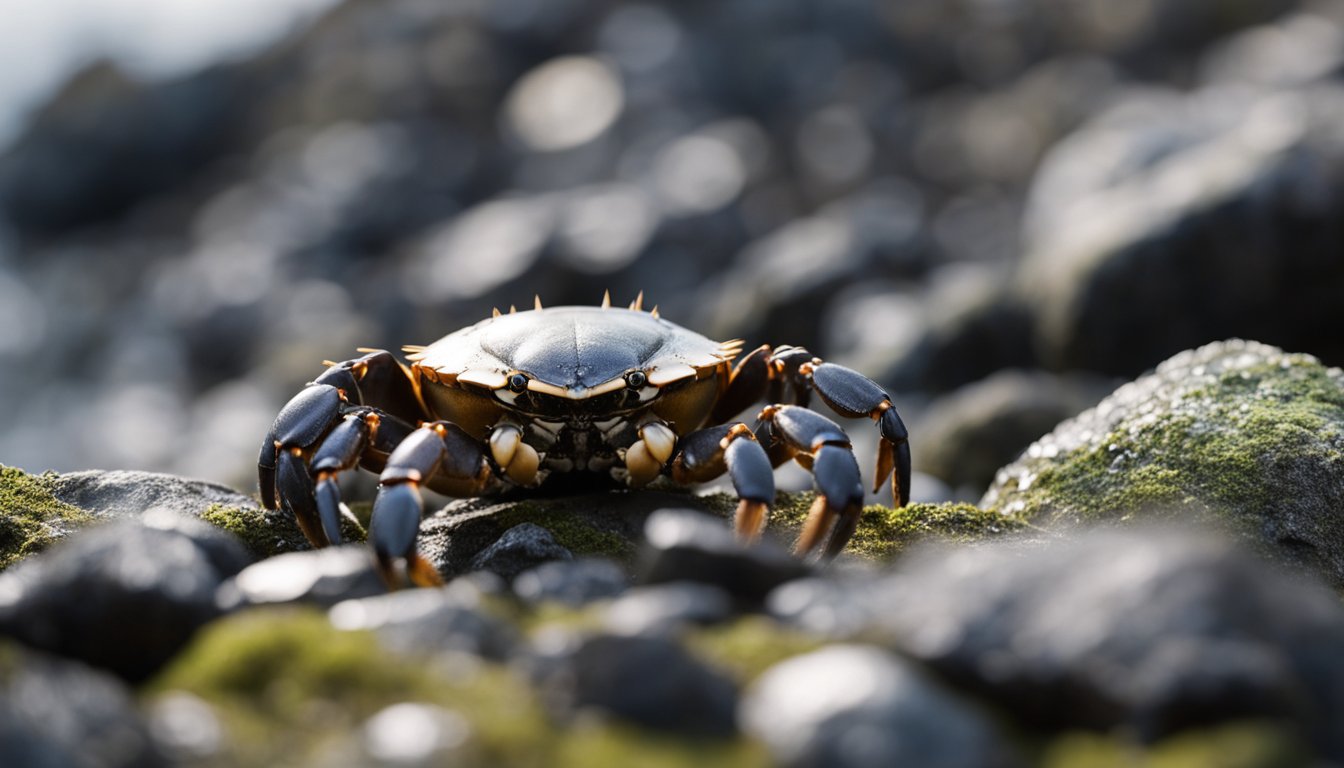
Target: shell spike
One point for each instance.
(606, 299)
(536, 301)
(654, 311)
(638, 303)
(495, 312)
(513, 310)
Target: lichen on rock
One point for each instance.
(1235, 432)
(31, 517)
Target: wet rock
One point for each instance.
(414, 734)
(123, 596)
(124, 493)
(665, 608)
(648, 681)
(321, 577)
(1160, 630)
(851, 705)
(520, 548)
(824, 606)
(1236, 434)
(684, 545)
(966, 436)
(59, 713)
(572, 582)
(429, 621)
(1173, 219)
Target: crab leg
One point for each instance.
(440, 450)
(854, 395)
(708, 453)
(818, 444)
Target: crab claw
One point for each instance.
(392, 531)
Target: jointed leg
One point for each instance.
(732, 448)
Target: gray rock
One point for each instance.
(124, 493)
(648, 681)
(851, 705)
(572, 582)
(321, 577)
(123, 596)
(824, 606)
(966, 436)
(1236, 434)
(1159, 630)
(664, 608)
(1174, 219)
(429, 621)
(684, 545)
(56, 713)
(520, 548)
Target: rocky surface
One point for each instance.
(1238, 433)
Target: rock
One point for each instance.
(851, 705)
(572, 582)
(520, 548)
(57, 713)
(684, 545)
(322, 577)
(824, 606)
(666, 608)
(414, 734)
(122, 493)
(429, 621)
(31, 518)
(1236, 433)
(592, 524)
(123, 596)
(1159, 630)
(648, 681)
(1173, 219)
(966, 436)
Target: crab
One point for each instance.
(584, 395)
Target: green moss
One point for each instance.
(1211, 451)
(31, 518)
(290, 689)
(1236, 745)
(569, 530)
(267, 533)
(749, 646)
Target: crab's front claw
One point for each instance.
(819, 444)
(854, 395)
(392, 532)
(730, 448)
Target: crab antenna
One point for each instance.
(638, 303)
(654, 311)
(536, 301)
(606, 299)
(495, 312)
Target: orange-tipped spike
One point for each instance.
(638, 303)
(513, 310)
(536, 302)
(654, 311)
(495, 312)
(606, 299)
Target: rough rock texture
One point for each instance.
(1160, 630)
(1237, 432)
(850, 705)
(123, 493)
(31, 518)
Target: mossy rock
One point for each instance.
(1247, 744)
(31, 517)
(1234, 433)
(290, 689)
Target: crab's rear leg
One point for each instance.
(732, 448)
(821, 446)
(438, 450)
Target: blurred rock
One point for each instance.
(1295, 50)
(123, 596)
(966, 436)
(321, 577)
(520, 548)
(667, 608)
(852, 705)
(1238, 435)
(122, 493)
(684, 545)
(429, 621)
(572, 582)
(1161, 630)
(649, 681)
(59, 713)
(1171, 220)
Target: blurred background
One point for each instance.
(999, 209)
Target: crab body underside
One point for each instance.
(575, 396)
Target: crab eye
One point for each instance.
(636, 379)
(517, 382)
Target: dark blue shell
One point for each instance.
(571, 347)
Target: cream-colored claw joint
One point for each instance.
(518, 459)
(659, 439)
